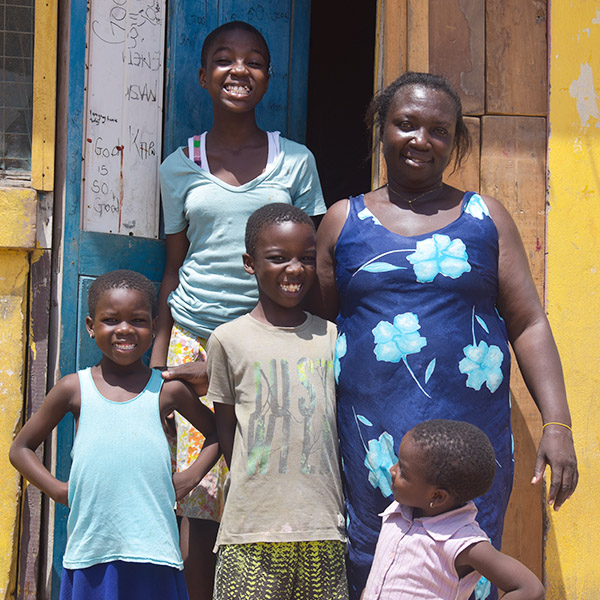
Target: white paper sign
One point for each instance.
(124, 99)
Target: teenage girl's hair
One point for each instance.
(458, 457)
(122, 279)
(271, 214)
(380, 104)
(232, 26)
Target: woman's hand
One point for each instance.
(193, 373)
(556, 449)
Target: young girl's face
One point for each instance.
(236, 73)
(408, 482)
(122, 326)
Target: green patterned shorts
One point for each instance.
(282, 571)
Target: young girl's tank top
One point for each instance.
(121, 493)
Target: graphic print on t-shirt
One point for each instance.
(275, 409)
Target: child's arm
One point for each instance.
(226, 424)
(177, 246)
(512, 577)
(64, 397)
(178, 396)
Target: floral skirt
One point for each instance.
(206, 501)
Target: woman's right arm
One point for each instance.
(62, 398)
(324, 299)
(177, 247)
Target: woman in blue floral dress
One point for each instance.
(429, 285)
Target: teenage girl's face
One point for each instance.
(284, 263)
(122, 325)
(418, 137)
(236, 73)
(408, 483)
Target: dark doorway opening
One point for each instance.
(340, 86)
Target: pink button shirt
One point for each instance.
(415, 557)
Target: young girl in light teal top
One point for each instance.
(209, 189)
(122, 532)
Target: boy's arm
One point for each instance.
(512, 577)
(226, 424)
(176, 395)
(62, 398)
(221, 390)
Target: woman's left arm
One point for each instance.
(532, 341)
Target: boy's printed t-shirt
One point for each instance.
(285, 483)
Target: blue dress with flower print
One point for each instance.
(419, 338)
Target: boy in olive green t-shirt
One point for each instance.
(272, 385)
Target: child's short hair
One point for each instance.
(270, 214)
(232, 26)
(459, 457)
(122, 279)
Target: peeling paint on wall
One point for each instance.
(582, 89)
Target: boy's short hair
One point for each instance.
(122, 279)
(271, 214)
(459, 457)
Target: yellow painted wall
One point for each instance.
(14, 271)
(573, 283)
(20, 235)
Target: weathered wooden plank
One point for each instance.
(457, 48)
(390, 61)
(391, 50)
(466, 177)
(513, 169)
(516, 50)
(417, 43)
(31, 546)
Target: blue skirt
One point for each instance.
(119, 580)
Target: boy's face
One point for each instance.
(284, 263)
(408, 481)
(122, 325)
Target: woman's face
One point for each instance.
(418, 137)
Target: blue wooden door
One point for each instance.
(86, 252)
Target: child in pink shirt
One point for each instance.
(430, 545)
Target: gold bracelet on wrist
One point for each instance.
(557, 423)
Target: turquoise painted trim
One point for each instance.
(68, 341)
(298, 70)
(102, 252)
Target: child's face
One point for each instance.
(122, 325)
(284, 263)
(408, 483)
(236, 74)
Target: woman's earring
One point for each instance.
(431, 504)
(92, 335)
(153, 335)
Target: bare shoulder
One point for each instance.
(67, 390)
(501, 217)
(333, 222)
